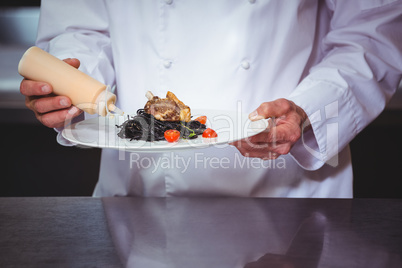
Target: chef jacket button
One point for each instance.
(251, 1)
(167, 64)
(245, 65)
(169, 2)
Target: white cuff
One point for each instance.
(63, 141)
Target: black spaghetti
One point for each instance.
(144, 126)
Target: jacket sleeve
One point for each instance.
(78, 29)
(359, 70)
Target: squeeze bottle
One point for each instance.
(84, 91)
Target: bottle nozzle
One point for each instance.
(115, 109)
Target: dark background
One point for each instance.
(20, 3)
(34, 164)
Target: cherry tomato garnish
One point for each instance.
(209, 133)
(201, 119)
(172, 135)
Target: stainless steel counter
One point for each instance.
(200, 232)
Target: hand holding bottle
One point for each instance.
(51, 110)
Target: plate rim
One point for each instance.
(166, 146)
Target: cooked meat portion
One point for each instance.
(167, 109)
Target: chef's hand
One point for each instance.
(284, 130)
(51, 110)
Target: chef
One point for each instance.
(321, 70)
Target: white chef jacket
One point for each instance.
(338, 60)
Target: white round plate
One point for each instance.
(101, 132)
